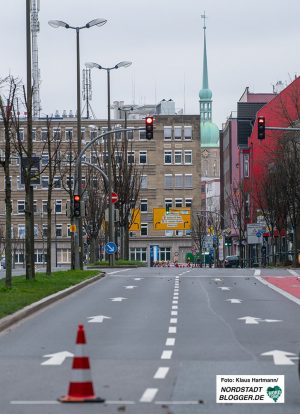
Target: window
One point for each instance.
(246, 165)
(144, 205)
(83, 134)
(130, 157)
(45, 158)
(93, 133)
(169, 233)
(94, 158)
(247, 205)
(44, 231)
(168, 202)
(129, 135)
(143, 157)
(188, 157)
(58, 206)
(70, 182)
(44, 134)
(19, 257)
(44, 206)
(20, 186)
(21, 231)
(36, 230)
(177, 132)
(20, 134)
(68, 134)
(188, 181)
(64, 255)
(144, 229)
(58, 230)
(39, 256)
(167, 133)
(168, 181)
(178, 181)
(144, 182)
(187, 130)
(57, 182)
(45, 181)
(69, 231)
(33, 134)
(21, 206)
(168, 157)
(138, 254)
(118, 135)
(188, 202)
(178, 157)
(34, 206)
(118, 157)
(165, 254)
(142, 135)
(179, 233)
(178, 202)
(56, 134)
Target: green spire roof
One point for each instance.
(209, 132)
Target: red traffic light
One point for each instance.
(149, 120)
(261, 124)
(77, 197)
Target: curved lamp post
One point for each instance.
(78, 250)
(91, 65)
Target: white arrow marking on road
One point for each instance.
(117, 299)
(217, 280)
(97, 319)
(57, 359)
(224, 288)
(129, 287)
(281, 357)
(233, 300)
(250, 320)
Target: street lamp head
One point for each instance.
(92, 65)
(123, 64)
(58, 23)
(96, 22)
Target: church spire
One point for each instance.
(205, 93)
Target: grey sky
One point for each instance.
(170, 33)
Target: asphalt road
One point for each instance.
(167, 333)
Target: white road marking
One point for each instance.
(117, 271)
(293, 272)
(34, 402)
(278, 290)
(252, 320)
(173, 320)
(183, 273)
(170, 342)
(117, 299)
(281, 357)
(224, 288)
(172, 329)
(174, 313)
(97, 319)
(175, 302)
(217, 279)
(174, 307)
(149, 395)
(138, 278)
(177, 402)
(233, 300)
(161, 373)
(57, 358)
(166, 354)
(129, 287)
(257, 272)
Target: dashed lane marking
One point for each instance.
(172, 329)
(149, 395)
(170, 342)
(166, 354)
(161, 373)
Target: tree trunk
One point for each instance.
(8, 243)
(49, 234)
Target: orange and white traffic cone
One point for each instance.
(81, 388)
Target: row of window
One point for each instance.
(57, 204)
(140, 254)
(178, 157)
(177, 133)
(178, 202)
(178, 181)
(40, 231)
(40, 256)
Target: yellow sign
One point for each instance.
(135, 224)
(73, 228)
(176, 219)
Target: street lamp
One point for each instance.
(78, 250)
(91, 65)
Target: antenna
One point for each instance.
(35, 28)
(184, 93)
(87, 91)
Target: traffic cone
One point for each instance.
(81, 388)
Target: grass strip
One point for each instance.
(25, 292)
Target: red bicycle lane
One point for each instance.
(289, 284)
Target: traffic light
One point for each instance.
(167, 209)
(228, 241)
(76, 205)
(261, 125)
(149, 127)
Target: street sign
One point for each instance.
(73, 228)
(114, 197)
(177, 218)
(110, 248)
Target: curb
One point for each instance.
(10, 320)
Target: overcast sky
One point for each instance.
(249, 43)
